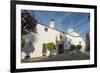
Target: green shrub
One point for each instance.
(50, 46)
(72, 47)
(79, 47)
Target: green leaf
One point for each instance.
(50, 46)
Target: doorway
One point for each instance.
(44, 50)
(61, 49)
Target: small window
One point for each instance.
(46, 29)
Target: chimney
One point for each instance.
(52, 23)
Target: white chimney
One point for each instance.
(52, 23)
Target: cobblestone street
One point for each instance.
(62, 57)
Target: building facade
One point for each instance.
(50, 34)
(88, 41)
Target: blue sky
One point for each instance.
(63, 20)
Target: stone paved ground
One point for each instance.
(77, 56)
(62, 57)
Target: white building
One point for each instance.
(49, 34)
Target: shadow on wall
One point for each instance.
(28, 48)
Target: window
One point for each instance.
(46, 29)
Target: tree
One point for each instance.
(28, 22)
(79, 47)
(73, 47)
(50, 46)
(28, 25)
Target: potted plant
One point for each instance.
(50, 47)
(73, 48)
(79, 47)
